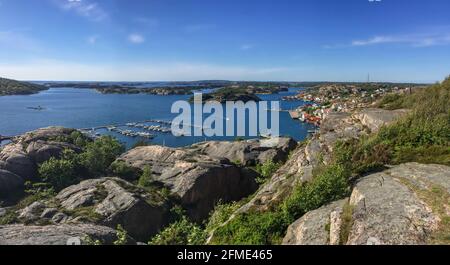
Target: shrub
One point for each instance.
(99, 155)
(145, 180)
(59, 173)
(331, 185)
(252, 229)
(140, 143)
(182, 232)
(221, 214)
(123, 170)
(122, 236)
(78, 139)
(267, 169)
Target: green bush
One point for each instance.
(221, 214)
(123, 170)
(252, 229)
(145, 180)
(182, 232)
(122, 236)
(94, 161)
(59, 173)
(98, 155)
(267, 169)
(331, 185)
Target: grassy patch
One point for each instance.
(252, 229)
(86, 214)
(331, 185)
(347, 223)
(221, 213)
(181, 232)
(34, 194)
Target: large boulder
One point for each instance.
(314, 228)
(45, 134)
(199, 180)
(406, 204)
(114, 201)
(374, 119)
(23, 155)
(41, 151)
(250, 152)
(10, 183)
(14, 159)
(66, 234)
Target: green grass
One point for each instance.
(327, 187)
(252, 228)
(347, 223)
(180, 232)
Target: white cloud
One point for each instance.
(412, 40)
(374, 40)
(136, 38)
(176, 71)
(84, 8)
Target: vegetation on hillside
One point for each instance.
(94, 161)
(421, 136)
(13, 87)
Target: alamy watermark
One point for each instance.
(237, 119)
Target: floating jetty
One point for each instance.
(5, 138)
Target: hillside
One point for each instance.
(13, 87)
(373, 175)
(326, 193)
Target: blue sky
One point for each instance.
(296, 40)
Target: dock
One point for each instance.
(122, 125)
(5, 138)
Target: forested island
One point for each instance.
(242, 92)
(13, 87)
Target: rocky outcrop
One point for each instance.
(198, 179)
(249, 152)
(27, 151)
(14, 158)
(9, 183)
(114, 201)
(67, 234)
(314, 228)
(374, 119)
(407, 204)
(41, 151)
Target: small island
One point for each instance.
(13, 87)
(242, 92)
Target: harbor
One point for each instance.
(133, 129)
